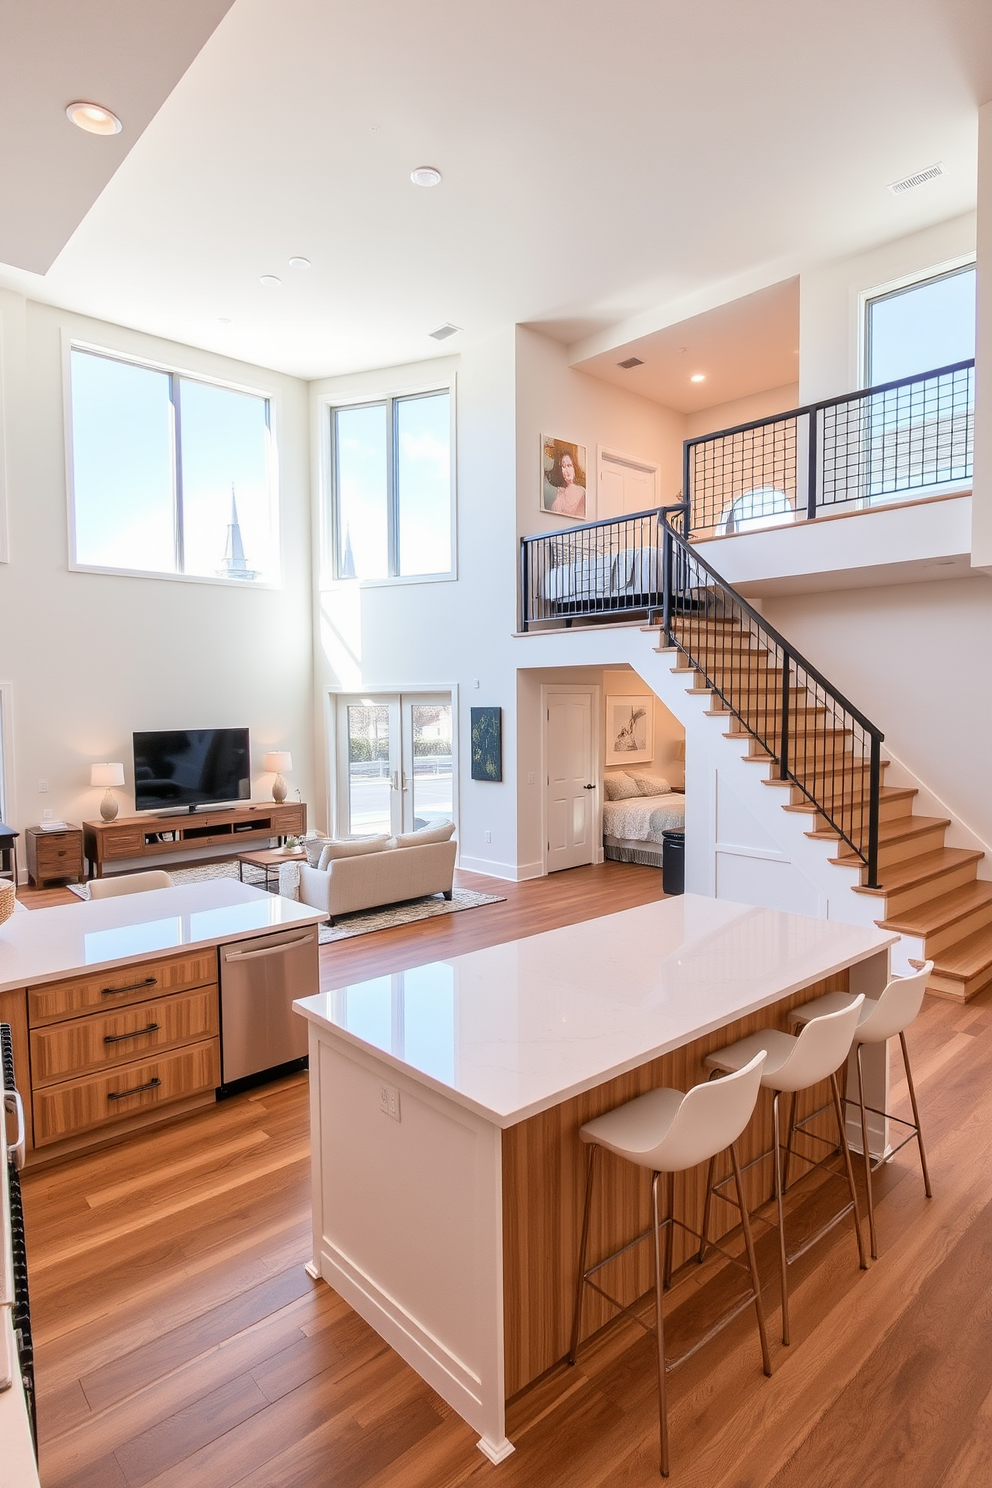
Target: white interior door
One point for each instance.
(625, 486)
(572, 787)
(395, 763)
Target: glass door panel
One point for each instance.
(431, 765)
(371, 768)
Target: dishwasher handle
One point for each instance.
(270, 950)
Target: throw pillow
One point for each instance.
(332, 851)
(620, 787)
(313, 847)
(426, 834)
(652, 785)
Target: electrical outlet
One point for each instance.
(389, 1101)
(46, 815)
(42, 785)
(489, 836)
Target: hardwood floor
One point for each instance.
(180, 1342)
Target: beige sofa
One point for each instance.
(379, 878)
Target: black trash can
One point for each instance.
(673, 862)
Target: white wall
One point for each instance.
(829, 329)
(981, 545)
(92, 657)
(743, 410)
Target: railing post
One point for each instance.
(811, 462)
(875, 780)
(666, 580)
(524, 591)
(783, 748)
(686, 497)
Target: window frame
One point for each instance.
(388, 397)
(889, 290)
(74, 343)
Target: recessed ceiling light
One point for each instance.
(299, 263)
(223, 320)
(698, 377)
(93, 117)
(425, 175)
(271, 281)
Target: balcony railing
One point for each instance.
(900, 440)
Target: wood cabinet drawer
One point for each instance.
(287, 821)
(83, 1045)
(119, 988)
(56, 856)
(129, 843)
(80, 1105)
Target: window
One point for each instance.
(391, 487)
(920, 327)
(170, 474)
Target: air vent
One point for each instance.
(909, 182)
(630, 362)
(443, 332)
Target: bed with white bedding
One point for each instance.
(593, 577)
(633, 826)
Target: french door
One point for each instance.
(395, 762)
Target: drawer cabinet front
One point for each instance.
(114, 989)
(80, 1105)
(82, 1045)
(125, 844)
(287, 821)
(58, 856)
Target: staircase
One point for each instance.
(923, 889)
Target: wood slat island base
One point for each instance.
(446, 1104)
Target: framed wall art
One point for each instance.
(487, 744)
(629, 730)
(563, 478)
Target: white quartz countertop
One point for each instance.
(517, 1028)
(47, 944)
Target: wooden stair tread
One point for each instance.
(886, 793)
(919, 870)
(938, 913)
(902, 829)
(966, 958)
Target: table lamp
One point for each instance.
(108, 775)
(278, 760)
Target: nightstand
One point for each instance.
(54, 855)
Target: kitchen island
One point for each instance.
(114, 1004)
(446, 1103)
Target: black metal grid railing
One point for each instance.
(599, 568)
(819, 741)
(902, 438)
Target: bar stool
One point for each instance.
(880, 1019)
(794, 1064)
(668, 1132)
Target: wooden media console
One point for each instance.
(130, 838)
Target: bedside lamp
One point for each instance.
(107, 775)
(278, 760)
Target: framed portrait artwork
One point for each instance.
(563, 478)
(629, 730)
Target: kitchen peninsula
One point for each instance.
(446, 1103)
(114, 1004)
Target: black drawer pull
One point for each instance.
(123, 1094)
(131, 987)
(119, 1038)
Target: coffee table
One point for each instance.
(269, 859)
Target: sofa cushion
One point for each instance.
(620, 787)
(333, 850)
(426, 834)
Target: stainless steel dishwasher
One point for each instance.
(259, 979)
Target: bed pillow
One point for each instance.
(620, 787)
(441, 833)
(652, 785)
(332, 851)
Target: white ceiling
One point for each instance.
(600, 163)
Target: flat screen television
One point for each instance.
(191, 767)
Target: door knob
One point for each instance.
(588, 787)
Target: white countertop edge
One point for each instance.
(505, 1119)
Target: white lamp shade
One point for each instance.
(278, 760)
(107, 775)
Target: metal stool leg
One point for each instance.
(580, 1283)
(916, 1114)
(766, 1362)
(835, 1089)
(790, 1138)
(867, 1156)
(669, 1227)
(660, 1324)
(783, 1260)
(705, 1230)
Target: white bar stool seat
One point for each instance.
(794, 1064)
(668, 1132)
(880, 1019)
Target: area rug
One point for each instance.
(362, 923)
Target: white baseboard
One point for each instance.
(493, 869)
(530, 870)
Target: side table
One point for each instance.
(8, 852)
(270, 860)
(54, 855)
